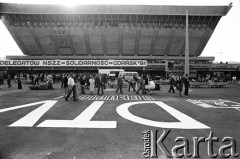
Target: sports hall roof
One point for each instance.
(110, 30)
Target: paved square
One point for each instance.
(41, 124)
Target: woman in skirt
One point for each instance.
(92, 84)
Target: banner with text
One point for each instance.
(72, 63)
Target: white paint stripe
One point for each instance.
(109, 89)
(31, 118)
(72, 124)
(230, 101)
(58, 97)
(89, 112)
(238, 109)
(21, 106)
(82, 120)
(200, 103)
(226, 107)
(92, 97)
(186, 122)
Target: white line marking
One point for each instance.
(185, 122)
(219, 103)
(89, 112)
(58, 97)
(31, 118)
(237, 109)
(200, 103)
(21, 106)
(82, 120)
(109, 89)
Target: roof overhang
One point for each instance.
(110, 30)
(9, 8)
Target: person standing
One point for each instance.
(180, 85)
(228, 78)
(136, 82)
(186, 84)
(71, 88)
(131, 84)
(234, 79)
(87, 84)
(119, 83)
(146, 83)
(92, 84)
(82, 83)
(172, 83)
(9, 81)
(42, 77)
(105, 80)
(1, 79)
(141, 85)
(53, 77)
(62, 79)
(36, 79)
(49, 82)
(19, 81)
(99, 82)
(65, 82)
(32, 79)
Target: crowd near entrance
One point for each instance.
(76, 83)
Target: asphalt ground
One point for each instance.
(25, 135)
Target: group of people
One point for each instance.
(33, 79)
(179, 82)
(47, 78)
(99, 81)
(18, 79)
(95, 80)
(137, 83)
(216, 77)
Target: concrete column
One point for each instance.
(186, 68)
(166, 68)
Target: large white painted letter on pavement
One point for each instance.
(83, 120)
(185, 122)
(31, 118)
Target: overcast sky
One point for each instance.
(224, 43)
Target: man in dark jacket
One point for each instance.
(19, 81)
(131, 84)
(65, 82)
(82, 83)
(99, 81)
(172, 83)
(9, 81)
(37, 77)
(186, 84)
(119, 83)
(141, 85)
(104, 80)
